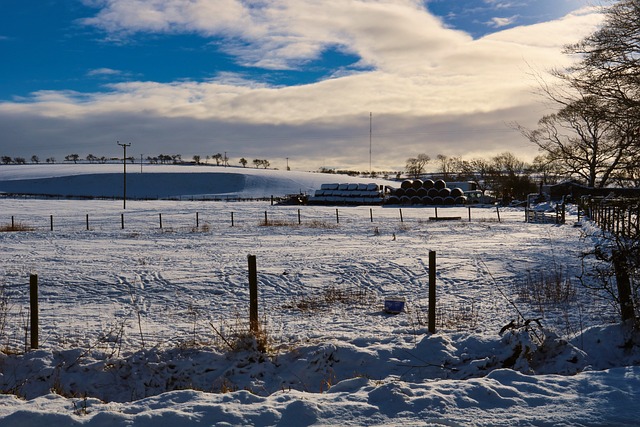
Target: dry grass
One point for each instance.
(286, 223)
(15, 227)
(547, 287)
(330, 297)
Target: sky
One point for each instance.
(339, 84)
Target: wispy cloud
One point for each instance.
(500, 22)
(102, 72)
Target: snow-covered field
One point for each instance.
(141, 325)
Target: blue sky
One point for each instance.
(284, 78)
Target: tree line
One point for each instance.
(220, 160)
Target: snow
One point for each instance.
(137, 323)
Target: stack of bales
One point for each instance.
(427, 192)
(348, 194)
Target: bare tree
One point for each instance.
(35, 159)
(243, 162)
(416, 165)
(582, 141)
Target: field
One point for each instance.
(146, 323)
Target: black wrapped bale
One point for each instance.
(427, 200)
(439, 184)
(410, 192)
(406, 184)
(432, 192)
(449, 201)
(399, 192)
(457, 192)
(461, 200)
(428, 183)
(404, 200)
(393, 200)
(415, 200)
(444, 193)
(438, 201)
(423, 192)
(417, 184)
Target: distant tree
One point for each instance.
(102, 159)
(451, 168)
(218, 158)
(35, 159)
(177, 158)
(196, 159)
(416, 165)
(51, 160)
(7, 160)
(91, 158)
(261, 162)
(243, 162)
(509, 177)
(72, 158)
(20, 160)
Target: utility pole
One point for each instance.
(288, 163)
(370, 132)
(124, 162)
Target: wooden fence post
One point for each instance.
(371, 214)
(87, 222)
(401, 219)
(299, 218)
(253, 295)
(160, 217)
(266, 219)
(621, 269)
(436, 208)
(337, 217)
(469, 207)
(33, 303)
(498, 212)
(232, 219)
(122, 220)
(13, 225)
(197, 220)
(432, 292)
(51, 221)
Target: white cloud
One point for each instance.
(103, 72)
(498, 22)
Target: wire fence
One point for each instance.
(208, 219)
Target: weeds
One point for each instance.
(16, 226)
(546, 287)
(238, 337)
(286, 223)
(331, 296)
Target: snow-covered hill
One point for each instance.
(162, 181)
